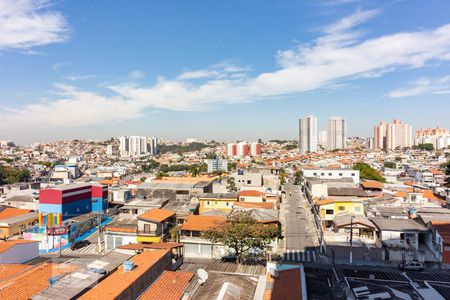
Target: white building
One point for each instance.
(135, 146)
(217, 164)
(323, 138)
(307, 140)
(242, 149)
(109, 150)
(337, 133)
(323, 173)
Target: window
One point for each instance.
(329, 174)
(207, 203)
(329, 211)
(322, 174)
(227, 204)
(340, 174)
(353, 174)
(341, 207)
(315, 174)
(249, 182)
(358, 209)
(242, 199)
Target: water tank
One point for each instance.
(128, 266)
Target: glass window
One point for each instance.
(358, 209)
(340, 174)
(329, 174)
(353, 174)
(322, 174)
(315, 174)
(190, 248)
(341, 207)
(329, 211)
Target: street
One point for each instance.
(299, 233)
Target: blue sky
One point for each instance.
(222, 70)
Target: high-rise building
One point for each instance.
(439, 137)
(323, 139)
(255, 149)
(217, 164)
(307, 138)
(243, 149)
(392, 136)
(337, 133)
(153, 146)
(109, 150)
(232, 149)
(134, 146)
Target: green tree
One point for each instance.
(143, 178)
(367, 172)
(390, 165)
(282, 176)
(446, 167)
(231, 184)
(174, 233)
(297, 177)
(424, 147)
(242, 233)
(194, 171)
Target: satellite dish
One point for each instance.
(274, 273)
(202, 276)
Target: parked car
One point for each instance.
(79, 244)
(411, 266)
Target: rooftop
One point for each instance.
(157, 215)
(113, 285)
(169, 286)
(201, 223)
(9, 212)
(398, 224)
(6, 245)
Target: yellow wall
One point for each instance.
(14, 229)
(348, 206)
(216, 204)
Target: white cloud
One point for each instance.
(423, 86)
(337, 56)
(25, 24)
(80, 77)
(137, 74)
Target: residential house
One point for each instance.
(14, 221)
(217, 201)
(329, 208)
(251, 196)
(18, 251)
(191, 236)
(154, 225)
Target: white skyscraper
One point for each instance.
(337, 133)
(323, 138)
(307, 141)
(134, 146)
(109, 150)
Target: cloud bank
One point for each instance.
(25, 24)
(340, 53)
(423, 86)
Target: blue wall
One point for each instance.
(68, 210)
(99, 204)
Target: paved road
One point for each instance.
(299, 233)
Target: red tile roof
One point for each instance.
(251, 193)
(157, 214)
(9, 270)
(115, 284)
(32, 281)
(169, 286)
(201, 223)
(288, 280)
(10, 212)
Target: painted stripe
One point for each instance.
(307, 256)
(76, 192)
(314, 255)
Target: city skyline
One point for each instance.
(61, 81)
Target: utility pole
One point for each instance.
(351, 240)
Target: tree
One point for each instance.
(231, 184)
(297, 177)
(424, 147)
(446, 167)
(282, 176)
(143, 178)
(367, 172)
(174, 233)
(390, 165)
(242, 233)
(194, 170)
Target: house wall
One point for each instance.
(216, 204)
(251, 199)
(393, 239)
(115, 240)
(332, 174)
(319, 189)
(14, 229)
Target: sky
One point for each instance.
(222, 70)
